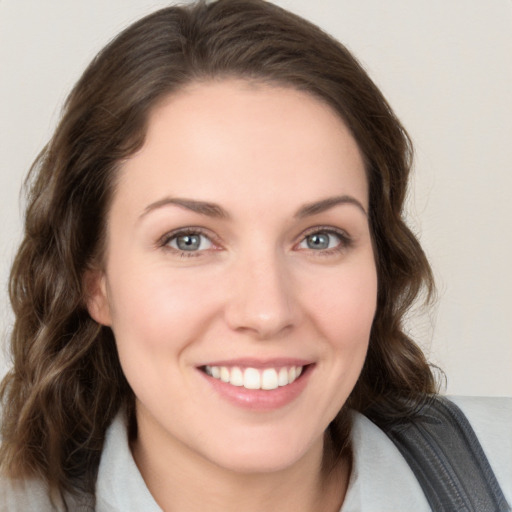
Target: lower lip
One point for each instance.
(260, 399)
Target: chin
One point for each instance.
(263, 462)
(261, 454)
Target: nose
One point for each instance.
(262, 302)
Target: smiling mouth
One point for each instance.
(255, 378)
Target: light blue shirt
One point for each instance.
(381, 480)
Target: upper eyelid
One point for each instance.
(215, 239)
(345, 240)
(325, 229)
(189, 230)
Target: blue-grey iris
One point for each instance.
(188, 242)
(318, 241)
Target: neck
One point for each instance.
(171, 475)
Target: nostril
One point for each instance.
(260, 298)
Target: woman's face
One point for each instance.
(239, 256)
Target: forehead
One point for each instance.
(226, 139)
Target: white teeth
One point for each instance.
(224, 374)
(269, 379)
(252, 378)
(282, 379)
(237, 377)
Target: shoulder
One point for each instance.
(381, 478)
(24, 495)
(491, 419)
(32, 494)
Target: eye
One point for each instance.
(324, 240)
(189, 241)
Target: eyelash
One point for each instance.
(345, 241)
(190, 231)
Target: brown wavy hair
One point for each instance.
(66, 384)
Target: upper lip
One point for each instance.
(251, 362)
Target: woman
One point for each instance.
(213, 277)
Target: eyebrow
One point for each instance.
(214, 210)
(201, 207)
(326, 204)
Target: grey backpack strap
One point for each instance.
(445, 455)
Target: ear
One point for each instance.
(96, 297)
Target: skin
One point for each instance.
(255, 288)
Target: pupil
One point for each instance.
(318, 241)
(188, 242)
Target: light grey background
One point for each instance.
(446, 68)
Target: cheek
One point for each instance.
(154, 319)
(345, 306)
(158, 310)
(342, 311)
